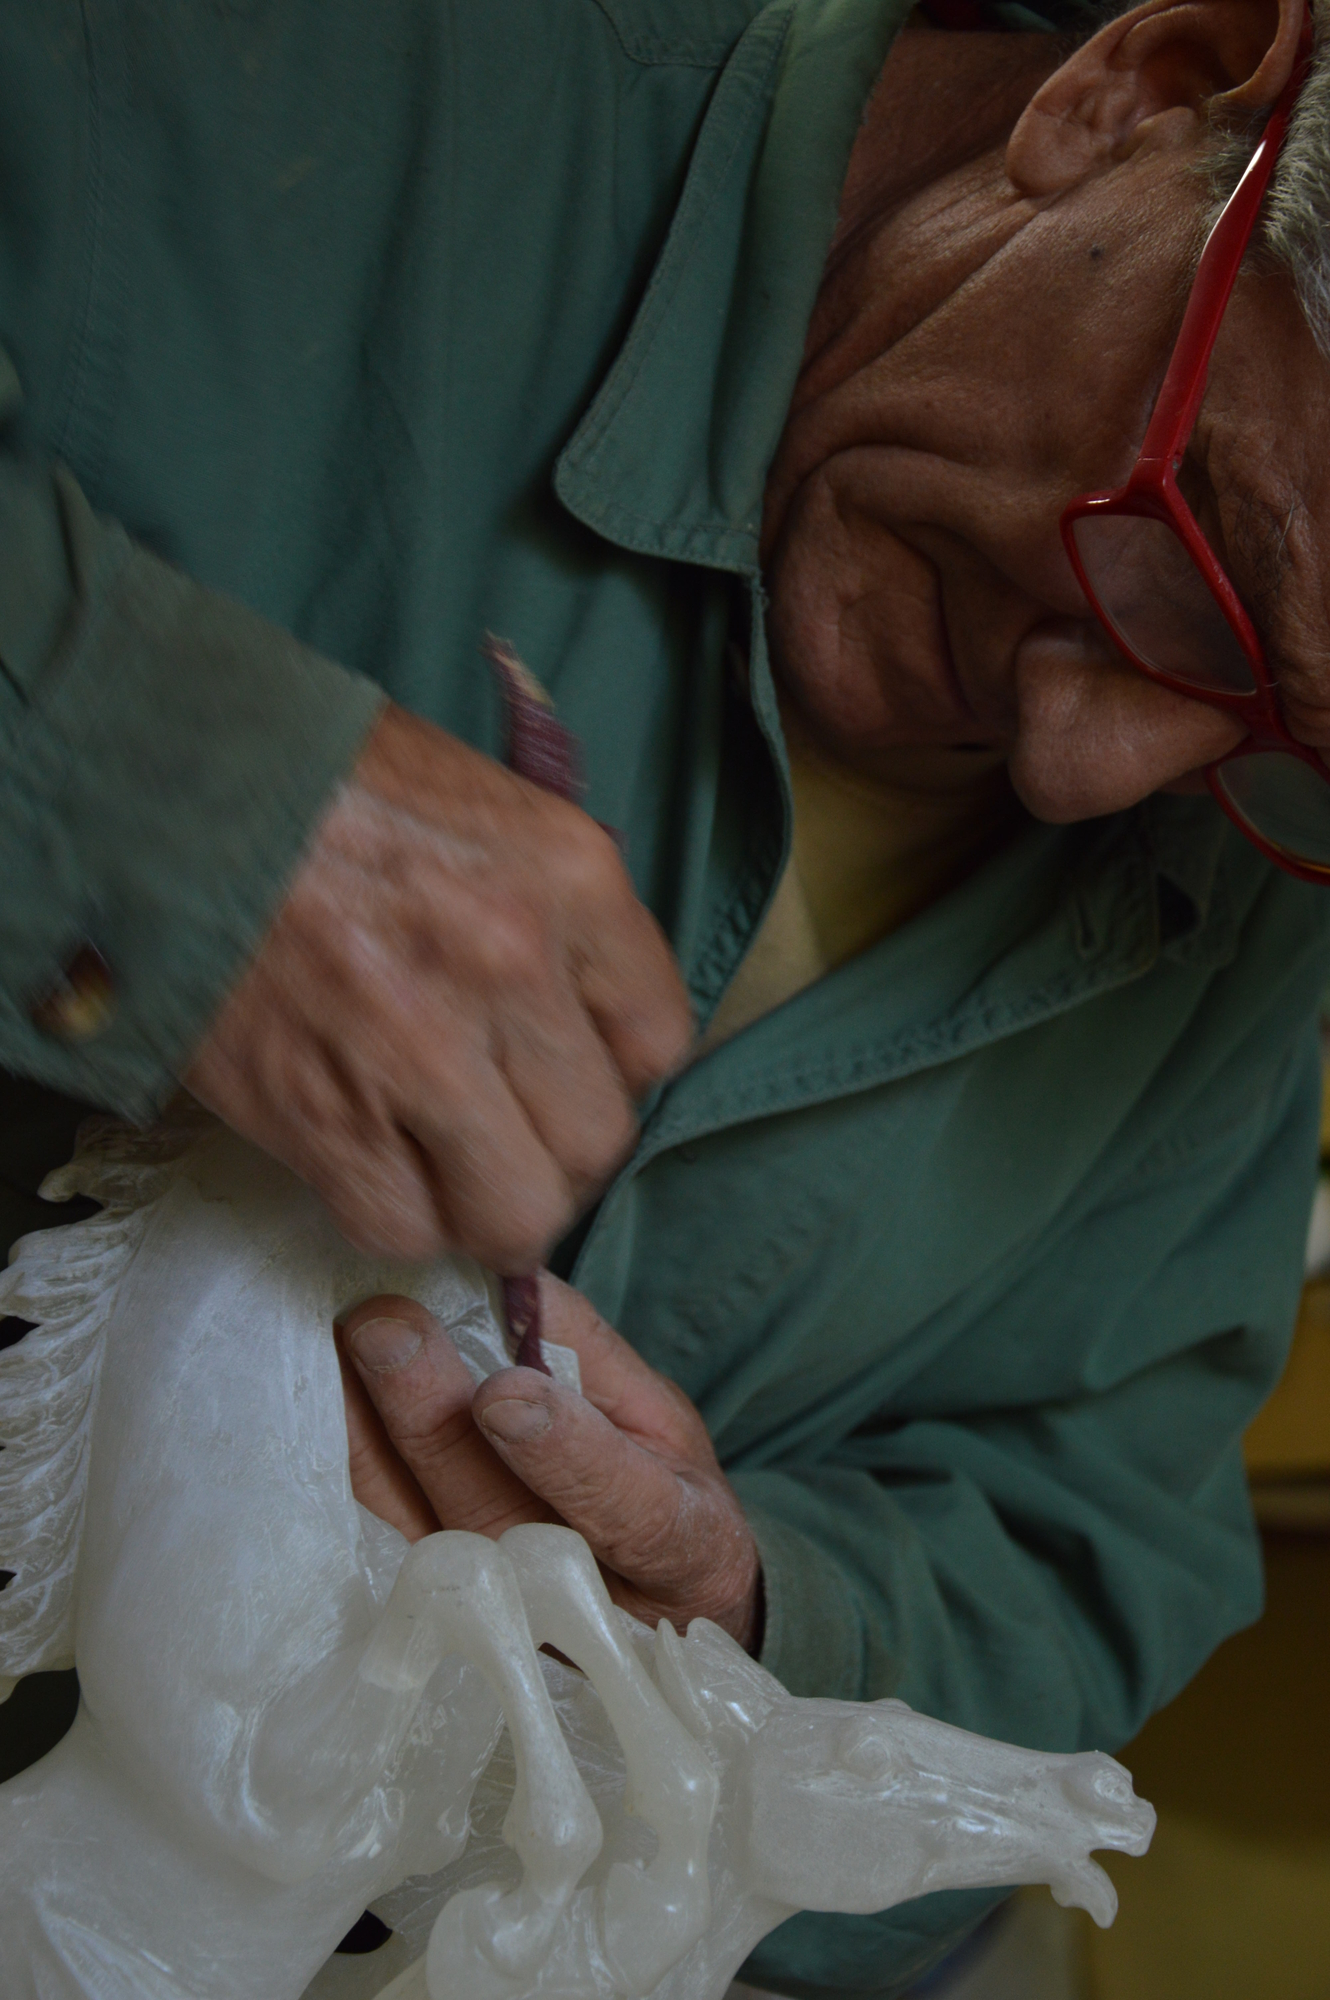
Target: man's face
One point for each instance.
(977, 360)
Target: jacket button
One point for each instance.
(81, 1002)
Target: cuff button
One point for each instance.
(81, 1002)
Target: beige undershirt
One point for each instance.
(865, 856)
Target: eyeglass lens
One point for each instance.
(1283, 799)
(1158, 603)
(1153, 596)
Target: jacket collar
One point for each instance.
(671, 460)
(1061, 917)
(1185, 839)
(672, 456)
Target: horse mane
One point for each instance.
(64, 1280)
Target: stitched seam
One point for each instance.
(871, 1065)
(614, 515)
(664, 285)
(654, 51)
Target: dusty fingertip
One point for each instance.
(382, 1346)
(508, 1388)
(387, 1305)
(514, 1420)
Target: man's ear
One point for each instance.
(1151, 77)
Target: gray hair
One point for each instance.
(1295, 231)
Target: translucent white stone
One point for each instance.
(288, 1716)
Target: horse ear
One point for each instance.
(711, 1683)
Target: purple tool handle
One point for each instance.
(521, 1302)
(543, 751)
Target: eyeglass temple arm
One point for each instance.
(1184, 385)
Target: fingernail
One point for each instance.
(382, 1345)
(514, 1421)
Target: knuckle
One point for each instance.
(593, 1147)
(669, 1026)
(654, 1024)
(586, 859)
(511, 946)
(668, 1049)
(517, 1239)
(427, 1432)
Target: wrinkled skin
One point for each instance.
(628, 1464)
(446, 1027)
(987, 345)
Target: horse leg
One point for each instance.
(458, 1593)
(651, 1915)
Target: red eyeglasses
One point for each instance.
(1157, 586)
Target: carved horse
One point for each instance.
(285, 1712)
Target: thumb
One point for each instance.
(623, 1500)
(420, 1389)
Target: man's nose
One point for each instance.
(1094, 734)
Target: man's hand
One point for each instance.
(629, 1464)
(447, 1024)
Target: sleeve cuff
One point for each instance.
(164, 766)
(815, 1639)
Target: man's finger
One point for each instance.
(634, 992)
(316, 1116)
(380, 1478)
(627, 1389)
(497, 1188)
(561, 1074)
(629, 1504)
(421, 1390)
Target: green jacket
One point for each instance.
(377, 325)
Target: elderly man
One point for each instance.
(737, 362)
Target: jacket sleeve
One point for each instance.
(1056, 1572)
(1053, 1574)
(164, 756)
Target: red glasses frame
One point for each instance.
(1152, 489)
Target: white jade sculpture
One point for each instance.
(287, 1714)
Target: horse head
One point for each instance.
(890, 1804)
